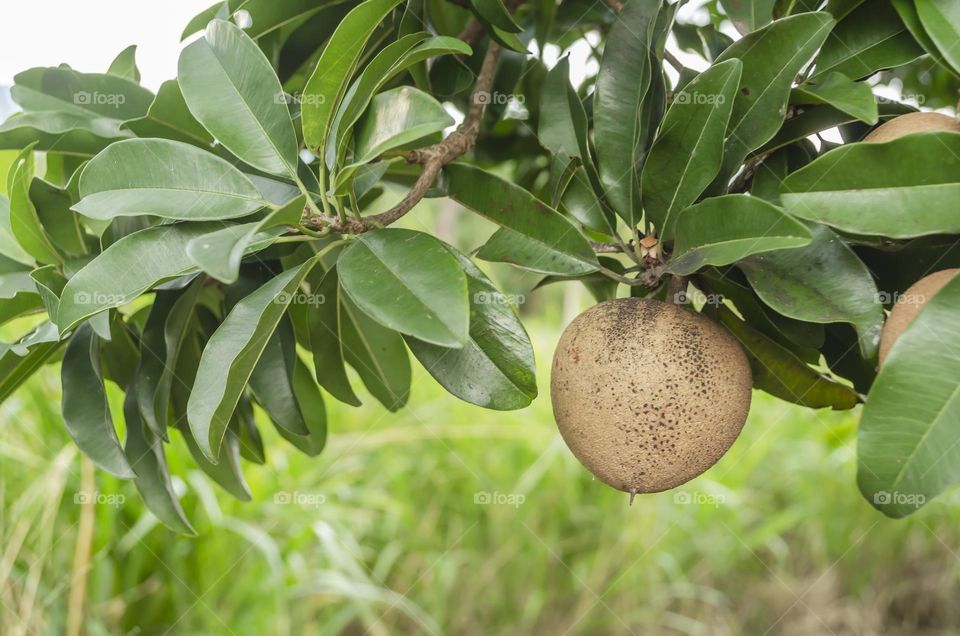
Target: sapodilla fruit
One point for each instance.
(648, 395)
(908, 305)
(912, 123)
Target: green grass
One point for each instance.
(382, 534)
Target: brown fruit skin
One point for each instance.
(648, 395)
(912, 123)
(908, 305)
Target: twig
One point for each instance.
(432, 158)
(672, 60)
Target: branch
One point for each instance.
(606, 248)
(432, 158)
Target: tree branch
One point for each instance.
(432, 158)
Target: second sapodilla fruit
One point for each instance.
(648, 395)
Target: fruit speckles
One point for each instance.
(648, 395)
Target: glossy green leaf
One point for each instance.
(723, 230)
(748, 15)
(9, 247)
(377, 354)
(59, 222)
(907, 11)
(822, 282)
(841, 92)
(563, 123)
(231, 354)
(219, 253)
(17, 367)
(144, 452)
(409, 282)
(226, 471)
(49, 283)
(24, 222)
(88, 94)
(495, 369)
(622, 84)
(326, 342)
(271, 382)
(169, 179)
(907, 441)
(127, 269)
(335, 68)
(941, 21)
(870, 189)
(232, 90)
(310, 402)
(218, 10)
(270, 16)
(779, 372)
(549, 242)
(688, 151)
(84, 405)
(494, 12)
(869, 39)
(170, 118)
(125, 64)
(67, 133)
(772, 57)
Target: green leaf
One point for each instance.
(59, 222)
(495, 369)
(748, 15)
(494, 13)
(66, 133)
(941, 20)
(16, 367)
(219, 253)
(24, 222)
(84, 406)
(772, 57)
(232, 90)
(907, 441)
(780, 373)
(125, 64)
(409, 282)
(9, 247)
(272, 380)
(127, 269)
(270, 16)
(822, 282)
(310, 402)
(231, 354)
(869, 39)
(723, 230)
(688, 152)
(550, 243)
(395, 119)
(144, 452)
(563, 122)
(870, 189)
(218, 10)
(86, 94)
(841, 92)
(335, 68)
(622, 84)
(169, 118)
(226, 471)
(169, 179)
(377, 354)
(911, 19)
(326, 342)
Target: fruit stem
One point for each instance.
(676, 290)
